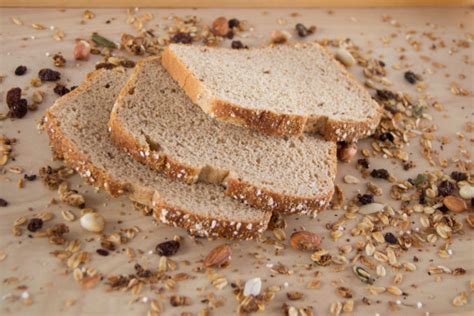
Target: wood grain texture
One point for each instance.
(45, 278)
(233, 3)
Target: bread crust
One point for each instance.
(169, 214)
(235, 187)
(266, 121)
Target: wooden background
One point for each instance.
(45, 278)
(233, 3)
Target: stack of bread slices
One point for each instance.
(215, 140)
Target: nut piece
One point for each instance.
(93, 222)
(82, 50)
(345, 57)
(279, 37)
(220, 26)
(253, 287)
(304, 240)
(346, 152)
(455, 204)
(467, 192)
(218, 257)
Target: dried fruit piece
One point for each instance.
(168, 248)
(20, 70)
(303, 31)
(61, 90)
(93, 222)
(365, 198)
(445, 188)
(305, 240)
(47, 74)
(363, 275)
(455, 204)
(34, 224)
(220, 26)
(410, 77)
(218, 257)
(238, 45)
(82, 50)
(181, 37)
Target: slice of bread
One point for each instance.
(77, 128)
(284, 90)
(157, 123)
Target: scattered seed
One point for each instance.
(102, 41)
(345, 57)
(410, 77)
(363, 275)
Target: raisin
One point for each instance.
(385, 95)
(410, 77)
(20, 70)
(387, 136)
(380, 174)
(13, 96)
(167, 248)
(445, 188)
(46, 74)
(19, 109)
(422, 198)
(458, 176)
(30, 177)
(301, 30)
(181, 37)
(102, 252)
(3, 203)
(390, 238)
(238, 45)
(230, 35)
(34, 224)
(363, 162)
(365, 198)
(233, 23)
(61, 90)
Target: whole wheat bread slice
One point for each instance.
(157, 123)
(284, 90)
(77, 128)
